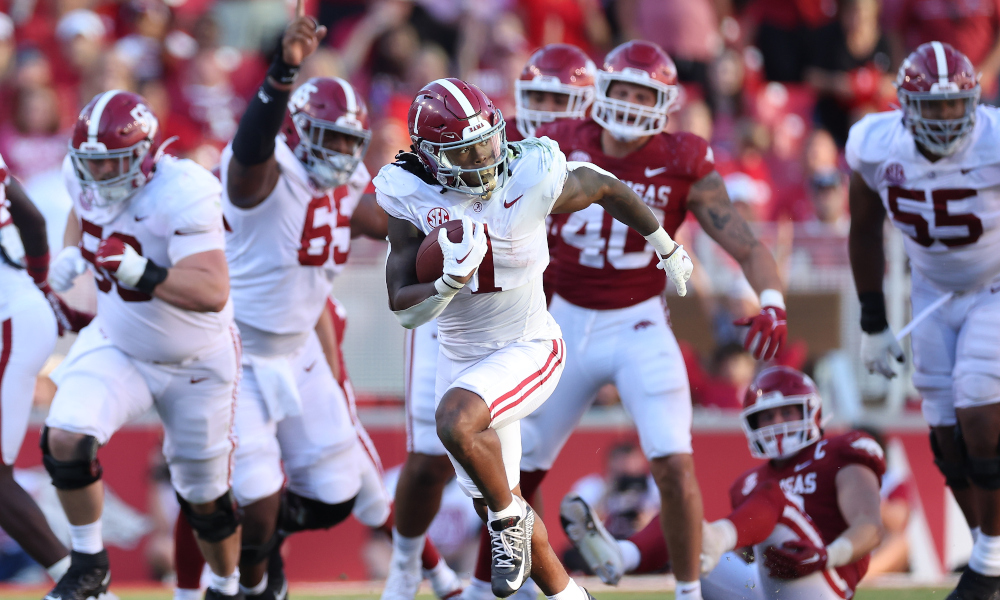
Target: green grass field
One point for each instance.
(863, 594)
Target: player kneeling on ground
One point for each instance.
(149, 227)
(811, 513)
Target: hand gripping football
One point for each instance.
(430, 259)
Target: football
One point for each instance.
(430, 260)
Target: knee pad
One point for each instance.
(972, 389)
(301, 514)
(954, 473)
(255, 554)
(79, 472)
(984, 472)
(217, 525)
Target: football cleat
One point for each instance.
(444, 581)
(976, 586)
(88, 576)
(214, 594)
(591, 539)
(511, 551)
(528, 591)
(402, 583)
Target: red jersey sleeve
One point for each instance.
(860, 448)
(744, 485)
(699, 160)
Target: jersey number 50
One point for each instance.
(104, 280)
(972, 225)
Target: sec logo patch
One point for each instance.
(437, 216)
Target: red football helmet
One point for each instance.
(453, 122)
(327, 128)
(933, 73)
(558, 69)
(641, 63)
(778, 387)
(113, 147)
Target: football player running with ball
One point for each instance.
(149, 227)
(932, 167)
(501, 353)
(608, 292)
(557, 82)
(811, 513)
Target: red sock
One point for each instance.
(530, 482)
(653, 553)
(431, 557)
(485, 558)
(756, 518)
(187, 556)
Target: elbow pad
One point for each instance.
(429, 309)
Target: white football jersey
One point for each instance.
(285, 252)
(949, 210)
(504, 302)
(15, 283)
(176, 214)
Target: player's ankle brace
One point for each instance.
(217, 525)
(300, 514)
(954, 472)
(79, 472)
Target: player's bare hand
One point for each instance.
(302, 37)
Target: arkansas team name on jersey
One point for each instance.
(175, 215)
(504, 302)
(285, 252)
(948, 210)
(601, 263)
(812, 476)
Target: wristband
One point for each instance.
(446, 286)
(662, 242)
(152, 276)
(772, 298)
(839, 552)
(37, 267)
(282, 72)
(873, 312)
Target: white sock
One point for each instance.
(228, 586)
(572, 592)
(514, 509)
(630, 555)
(406, 550)
(86, 538)
(257, 589)
(59, 568)
(688, 590)
(186, 594)
(975, 533)
(985, 558)
(478, 590)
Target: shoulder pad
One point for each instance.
(409, 162)
(535, 158)
(857, 447)
(870, 139)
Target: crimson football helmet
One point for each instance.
(113, 148)
(327, 129)
(451, 122)
(558, 69)
(778, 387)
(641, 63)
(936, 72)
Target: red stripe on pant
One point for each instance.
(4, 358)
(556, 355)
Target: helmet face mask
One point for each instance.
(555, 69)
(776, 392)
(938, 91)
(111, 175)
(476, 165)
(639, 63)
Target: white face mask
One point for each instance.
(628, 121)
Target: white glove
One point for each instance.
(876, 349)
(115, 256)
(462, 258)
(717, 538)
(67, 266)
(678, 267)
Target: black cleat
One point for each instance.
(88, 577)
(975, 586)
(511, 552)
(214, 594)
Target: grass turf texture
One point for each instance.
(863, 594)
